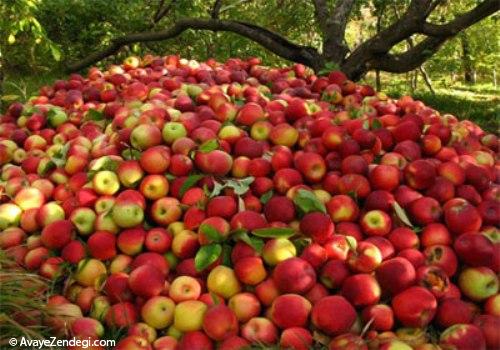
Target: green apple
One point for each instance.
(127, 214)
(278, 250)
(158, 312)
(478, 283)
(172, 131)
(10, 215)
(100, 307)
(83, 219)
(188, 315)
(56, 117)
(106, 182)
(223, 281)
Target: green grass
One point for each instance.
(22, 302)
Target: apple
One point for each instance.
(333, 315)
(260, 330)
(173, 131)
(189, 315)
(278, 250)
(222, 281)
(89, 272)
(106, 182)
(184, 288)
(127, 215)
(83, 219)
(376, 223)
(478, 283)
(158, 312)
(220, 322)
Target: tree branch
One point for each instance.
(321, 13)
(158, 10)
(452, 28)
(334, 38)
(161, 12)
(410, 59)
(374, 53)
(216, 9)
(269, 40)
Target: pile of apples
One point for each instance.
(185, 205)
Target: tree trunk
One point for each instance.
(467, 64)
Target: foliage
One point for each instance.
(45, 31)
(23, 39)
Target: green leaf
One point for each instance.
(366, 125)
(274, 232)
(301, 243)
(241, 186)
(241, 204)
(266, 196)
(50, 165)
(401, 214)
(218, 187)
(110, 164)
(131, 154)
(239, 102)
(226, 254)
(254, 242)
(62, 153)
(190, 182)
(308, 202)
(94, 115)
(211, 232)
(208, 146)
(376, 124)
(329, 66)
(56, 53)
(207, 255)
(215, 300)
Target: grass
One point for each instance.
(22, 302)
(479, 103)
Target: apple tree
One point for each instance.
(428, 24)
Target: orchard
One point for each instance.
(184, 205)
